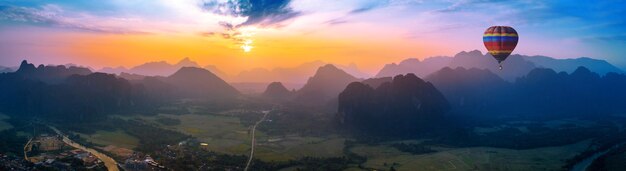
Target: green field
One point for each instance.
(3, 124)
(117, 138)
(226, 134)
(477, 158)
(294, 147)
(223, 133)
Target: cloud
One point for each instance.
(207, 34)
(362, 9)
(258, 12)
(53, 15)
(336, 21)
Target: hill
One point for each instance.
(277, 91)
(404, 107)
(200, 83)
(325, 85)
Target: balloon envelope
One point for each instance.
(500, 41)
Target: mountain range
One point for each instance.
(288, 75)
(296, 74)
(49, 73)
(160, 68)
(515, 66)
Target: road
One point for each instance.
(108, 161)
(27, 148)
(253, 142)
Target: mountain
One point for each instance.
(7, 69)
(403, 107)
(49, 74)
(353, 70)
(415, 66)
(467, 88)
(75, 98)
(161, 68)
(277, 91)
(325, 85)
(200, 83)
(514, 67)
(375, 82)
(541, 94)
(129, 76)
(293, 75)
(116, 70)
(569, 65)
(217, 72)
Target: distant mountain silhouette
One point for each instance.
(277, 91)
(415, 66)
(4, 69)
(129, 76)
(569, 65)
(402, 107)
(296, 74)
(325, 85)
(48, 74)
(116, 70)
(218, 72)
(515, 66)
(200, 83)
(375, 82)
(465, 88)
(161, 68)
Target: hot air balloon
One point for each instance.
(500, 42)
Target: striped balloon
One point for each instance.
(500, 41)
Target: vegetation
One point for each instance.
(413, 148)
(168, 121)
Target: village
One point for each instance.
(49, 151)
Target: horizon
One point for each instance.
(370, 73)
(293, 32)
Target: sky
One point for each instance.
(237, 35)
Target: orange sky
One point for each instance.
(101, 50)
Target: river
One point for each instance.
(584, 164)
(108, 161)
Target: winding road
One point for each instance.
(253, 142)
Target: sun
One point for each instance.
(246, 48)
(245, 35)
(247, 45)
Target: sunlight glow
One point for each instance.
(247, 46)
(245, 37)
